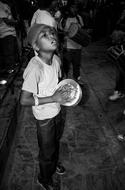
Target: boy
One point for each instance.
(38, 91)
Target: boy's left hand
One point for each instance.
(60, 96)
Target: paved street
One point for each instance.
(93, 156)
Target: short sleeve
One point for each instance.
(31, 79)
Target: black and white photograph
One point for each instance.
(62, 94)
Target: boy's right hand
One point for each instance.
(60, 96)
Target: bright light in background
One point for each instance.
(32, 2)
(3, 82)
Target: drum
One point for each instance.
(72, 90)
(79, 35)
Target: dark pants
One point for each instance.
(72, 56)
(9, 53)
(120, 81)
(49, 132)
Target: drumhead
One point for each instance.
(82, 37)
(73, 30)
(75, 91)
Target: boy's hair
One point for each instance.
(34, 32)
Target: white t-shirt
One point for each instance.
(41, 80)
(43, 17)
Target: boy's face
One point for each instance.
(47, 40)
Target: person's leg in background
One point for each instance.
(1, 56)
(120, 84)
(67, 58)
(60, 124)
(10, 52)
(76, 61)
(122, 74)
(119, 91)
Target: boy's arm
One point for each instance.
(27, 99)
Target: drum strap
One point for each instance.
(78, 19)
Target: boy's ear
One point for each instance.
(35, 47)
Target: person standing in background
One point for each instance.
(8, 39)
(44, 14)
(72, 50)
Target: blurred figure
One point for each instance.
(44, 14)
(72, 49)
(118, 49)
(8, 40)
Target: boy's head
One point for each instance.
(43, 38)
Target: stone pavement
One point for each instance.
(90, 151)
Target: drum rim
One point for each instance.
(79, 94)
